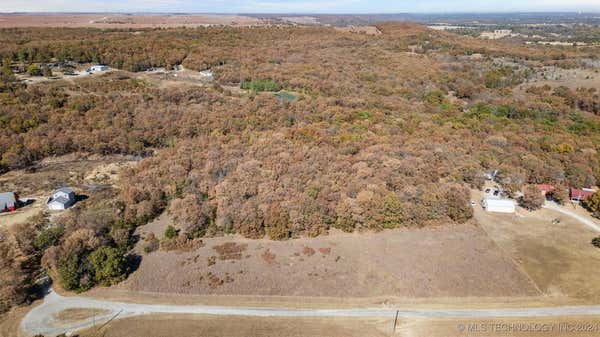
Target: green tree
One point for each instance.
(393, 212)
(592, 203)
(108, 265)
(33, 70)
(170, 232)
(47, 237)
(70, 271)
(6, 70)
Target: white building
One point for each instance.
(498, 205)
(206, 74)
(61, 199)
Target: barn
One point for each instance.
(9, 202)
(498, 205)
(580, 194)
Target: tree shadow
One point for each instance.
(23, 203)
(81, 197)
(132, 262)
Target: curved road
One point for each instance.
(588, 222)
(41, 319)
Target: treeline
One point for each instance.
(387, 131)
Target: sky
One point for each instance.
(299, 6)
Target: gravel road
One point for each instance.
(41, 319)
(588, 222)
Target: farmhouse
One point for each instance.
(498, 205)
(61, 199)
(9, 202)
(580, 194)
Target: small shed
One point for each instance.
(208, 74)
(498, 205)
(9, 202)
(61, 199)
(98, 68)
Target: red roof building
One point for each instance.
(546, 189)
(577, 194)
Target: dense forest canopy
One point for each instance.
(387, 131)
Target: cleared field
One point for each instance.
(183, 325)
(558, 257)
(513, 327)
(450, 261)
(100, 20)
(71, 170)
(21, 215)
(369, 30)
(187, 325)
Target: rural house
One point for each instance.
(61, 199)
(9, 202)
(580, 194)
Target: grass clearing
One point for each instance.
(234, 326)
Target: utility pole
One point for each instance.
(395, 322)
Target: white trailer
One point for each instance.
(498, 205)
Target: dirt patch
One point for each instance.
(325, 251)
(10, 322)
(268, 256)
(556, 77)
(434, 262)
(308, 251)
(106, 174)
(230, 250)
(369, 30)
(22, 214)
(234, 326)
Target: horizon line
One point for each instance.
(304, 13)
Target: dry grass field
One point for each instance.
(124, 20)
(503, 327)
(184, 325)
(432, 262)
(232, 326)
